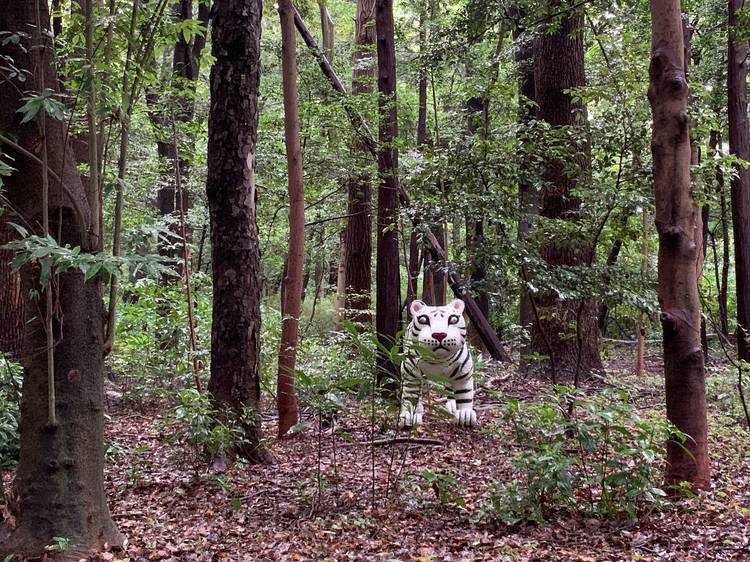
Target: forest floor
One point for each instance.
(316, 501)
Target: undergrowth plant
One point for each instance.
(152, 348)
(10, 403)
(588, 453)
(202, 432)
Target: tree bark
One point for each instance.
(679, 242)
(565, 330)
(387, 310)
(60, 475)
(739, 146)
(358, 264)
(11, 296)
(286, 398)
(231, 192)
(722, 277)
(185, 71)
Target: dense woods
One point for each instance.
(225, 225)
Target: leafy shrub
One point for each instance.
(203, 432)
(10, 402)
(152, 348)
(604, 459)
(444, 486)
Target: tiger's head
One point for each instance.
(441, 329)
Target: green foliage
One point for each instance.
(46, 101)
(444, 486)
(53, 259)
(152, 350)
(203, 432)
(604, 459)
(11, 375)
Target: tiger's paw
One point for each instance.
(408, 419)
(465, 418)
(450, 406)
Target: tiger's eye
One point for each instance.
(423, 319)
(453, 319)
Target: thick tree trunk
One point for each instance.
(565, 330)
(679, 242)
(231, 192)
(739, 146)
(387, 297)
(11, 296)
(286, 398)
(60, 475)
(359, 223)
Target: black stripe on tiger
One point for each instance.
(464, 401)
(462, 390)
(461, 367)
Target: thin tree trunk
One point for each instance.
(678, 249)
(739, 146)
(231, 192)
(722, 277)
(286, 398)
(387, 313)
(60, 475)
(640, 352)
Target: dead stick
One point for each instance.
(411, 440)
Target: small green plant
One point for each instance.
(205, 432)
(59, 544)
(589, 453)
(10, 401)
(444, 487)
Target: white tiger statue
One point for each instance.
(441, 332)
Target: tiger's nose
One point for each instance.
(439, 336)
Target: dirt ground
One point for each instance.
(334, 497)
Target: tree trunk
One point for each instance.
(185, 72)
(565, 330)
(740, 186)
(231, 193)
(60, 475)
(11, 296)
(286, 398)
(387, 313)
(528, 197)
(722, 277)
(678, 248)
(359, 208)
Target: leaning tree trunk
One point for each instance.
(564, 330)
(678, 248)
(739, 146)
(387, 296)
(60, 474)
(285, 396)
(231, 192)
(358, 245)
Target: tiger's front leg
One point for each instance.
(412, 409)
(463, 392)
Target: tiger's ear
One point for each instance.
(416, 307)
(457, 306)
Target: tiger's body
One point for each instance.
(441, 331)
